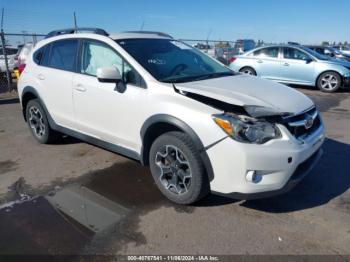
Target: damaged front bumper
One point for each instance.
(279, 165)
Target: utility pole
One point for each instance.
(24, 36)
(3, 43)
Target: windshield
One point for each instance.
(333, 50)
(173, 61)
(314, 53)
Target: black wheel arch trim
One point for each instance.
(168, 119)
(86, 138)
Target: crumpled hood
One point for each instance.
(242, 90)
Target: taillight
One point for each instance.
(21, 68)
(232, 59)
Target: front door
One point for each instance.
(101, 111)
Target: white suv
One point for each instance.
(199, 126)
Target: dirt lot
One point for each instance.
(123, 213)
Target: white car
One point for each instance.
(23, 53)
(11, 53)
(199, 126)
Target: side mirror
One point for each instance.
(111, 75)
(309, 60)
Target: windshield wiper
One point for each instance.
(212, 75)
(196, 78)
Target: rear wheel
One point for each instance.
(248, 71)
(38, 123)
(178, 169)
(329, 82)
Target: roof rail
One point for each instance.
(66, 31)
(150, 33)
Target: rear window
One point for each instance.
(9, 51)
(267, 52)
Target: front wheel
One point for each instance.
(329, 82)
(178, 169)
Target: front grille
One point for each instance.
(297, 125)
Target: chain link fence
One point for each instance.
(11, 45)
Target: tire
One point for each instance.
(248, 71)
(195, 184)
(38, 123)
(329, 82)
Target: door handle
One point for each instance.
(80, 88)
(286, 64)
(260, 61)
(41, 77)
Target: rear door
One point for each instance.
(268, 63)
(298, 66)
(54, 75)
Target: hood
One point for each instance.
(242, 90)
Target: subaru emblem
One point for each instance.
(308, 122)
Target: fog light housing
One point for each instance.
(253, 177)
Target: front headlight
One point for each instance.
(247, 129)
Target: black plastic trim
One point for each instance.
(168, 119)
(346, 81)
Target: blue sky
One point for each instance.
(308, 21)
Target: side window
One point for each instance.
(46, 55)
(95, 55)
(270, 52)
(292, 53)
(63, 54)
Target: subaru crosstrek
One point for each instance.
(199, 127)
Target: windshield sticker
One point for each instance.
(180, 45)
(156, 61)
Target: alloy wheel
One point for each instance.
(329, 82)
(36, 121)
(175, 172)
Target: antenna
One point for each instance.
(75, 22)
(143, 24)
(2, 19)
(210, 31)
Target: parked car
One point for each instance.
(11, 55)
(343, 49)
(330, 51)
(225, 55)
(205, 48)
(199, 126)
(244, 45)
(292, 64)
